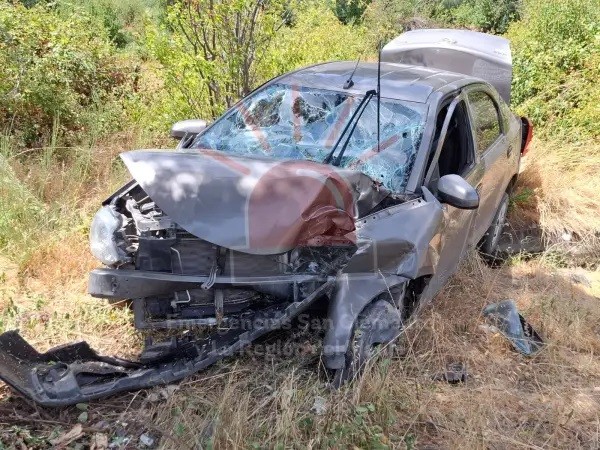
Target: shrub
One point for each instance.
(181, 87)
(304, 43)
(56, 73)
(210, 51)
(490, 16)
(122, 19)
(350, 11)
(556, 58)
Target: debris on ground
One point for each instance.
(506, 318)
(456, 372)
(66, 438)
(119, 441)
(319, 406)
(147, 440)
(99, 442)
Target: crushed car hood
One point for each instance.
(255, 205)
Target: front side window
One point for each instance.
(485, 120)
(294, 122)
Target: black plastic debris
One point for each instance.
(506, 318)
(456, 372)
(75, 373)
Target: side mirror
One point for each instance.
(456, 191)
(188, 128)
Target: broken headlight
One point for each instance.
(103, 236)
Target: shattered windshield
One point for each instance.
(293, 122)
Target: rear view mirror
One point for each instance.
(188, 128)
(456, 191)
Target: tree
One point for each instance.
(225, 41)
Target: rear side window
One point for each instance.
(485, 120)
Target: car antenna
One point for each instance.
(349, 83)
(378, 95)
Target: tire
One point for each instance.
(375, 331)
(489, 243)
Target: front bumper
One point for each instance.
(126, 284)
(75, 373)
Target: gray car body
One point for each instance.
(418, 240)
(415, 239)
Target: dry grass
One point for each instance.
(558, 191)
(264, 398)
(49, 193)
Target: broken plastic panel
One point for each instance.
(293, 122)
(75, 373)
(514, 327)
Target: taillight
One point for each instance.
(526, 134)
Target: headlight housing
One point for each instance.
(103, 239)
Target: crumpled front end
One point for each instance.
(255, 205)
(199, 238)
(239, 244)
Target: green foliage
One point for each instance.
(556, 57)
(19, 206)
(122, 19)
(190, 81)
(75, 66)
(386, 19)
(304, 43)
(350, 11)
(210, 50)
(56, 72)
(490, 16)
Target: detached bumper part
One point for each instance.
(75, 373)
(506, 318)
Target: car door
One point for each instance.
(492, 152)
(453, 153)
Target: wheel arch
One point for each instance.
(352, 296)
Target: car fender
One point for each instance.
(395, 245)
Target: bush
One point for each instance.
(316, 36)
(556, 58)
(57, 73)
(490, 16)
(181, 91)
(122, 19)
(386, 19)
(350, 11)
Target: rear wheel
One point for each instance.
(489, 242)
(375, 331)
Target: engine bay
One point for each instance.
(151, 242)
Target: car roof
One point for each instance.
(398, 81)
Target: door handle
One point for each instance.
(509, 151)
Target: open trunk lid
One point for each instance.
(468, 52)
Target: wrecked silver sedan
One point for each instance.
(357, 184)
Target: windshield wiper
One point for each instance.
(357, 113)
